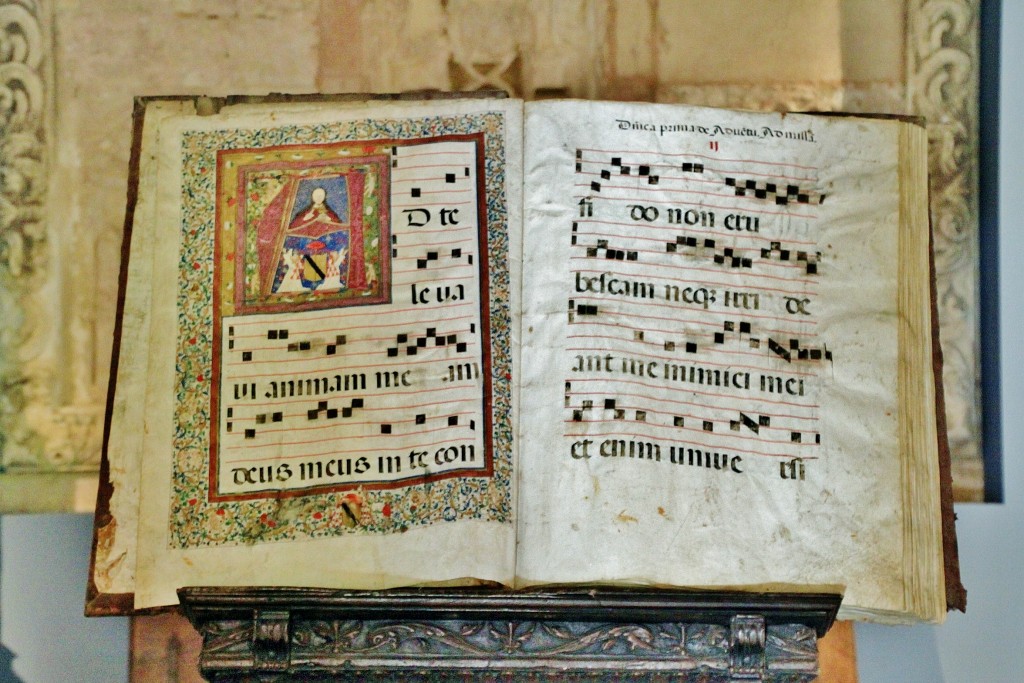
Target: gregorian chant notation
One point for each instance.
(378, 393)
(692, 309)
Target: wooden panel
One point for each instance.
(164, 649)
(837, 655)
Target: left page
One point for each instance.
(327, 361)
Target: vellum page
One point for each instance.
(330, 398)
(114, 570)
(709, 302)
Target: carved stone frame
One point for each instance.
(942, 85)
(52, 402)
(51, 408)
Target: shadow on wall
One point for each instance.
(7, 674)
(44, 562)
(880, 646)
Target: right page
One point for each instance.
(710, 376)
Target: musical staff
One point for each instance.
(784, 255)
(733, 426)
(781, 186)
(436, 256)
(424, 423)
(347, 394)
(694, 273)
(602, 250)
(430, 338)
(781, 194)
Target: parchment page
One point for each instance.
(330, 396)
(709, 350)
(114, 564)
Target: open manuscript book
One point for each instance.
(389, 343)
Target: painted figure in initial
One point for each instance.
(315, 250)
(310, 236)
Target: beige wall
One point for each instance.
(94, 56)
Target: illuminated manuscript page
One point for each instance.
(710, 305)
(329, 397)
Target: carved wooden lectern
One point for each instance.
(263, 634)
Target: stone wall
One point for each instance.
(72, 67)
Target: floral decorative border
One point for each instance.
(194, 520)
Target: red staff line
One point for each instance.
(603, 420)
(436, 279)
(606, 184)
(686, 269)
(411, 406)
(688, 335)
(450, 166)
(690, 389)
(690, 228)
(454, 439)
(702, 205)
(700, 270)
(744, 272)
(606, 164)
(408, 406)
(695, 177)
(411, 245)
(676, 333)
(666, 190)
(421, 204)
(699, 156)
(346, 328)
(339, 356)
(434, 178)
(354, 341)
(347, 437)
(639, 316)
(663, 240)
(813, 420)
(645, 330)
(767, 261)
(336, 423)
(684, 307)
(409, 155)
(297, 373)
(417, 231)
(418, 257)
(349, 314)
(364, 393)
(659, 188)
(743, 409)
(671, 332)
(445, 191)
(434, 267)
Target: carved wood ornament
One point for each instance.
(292, 635)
